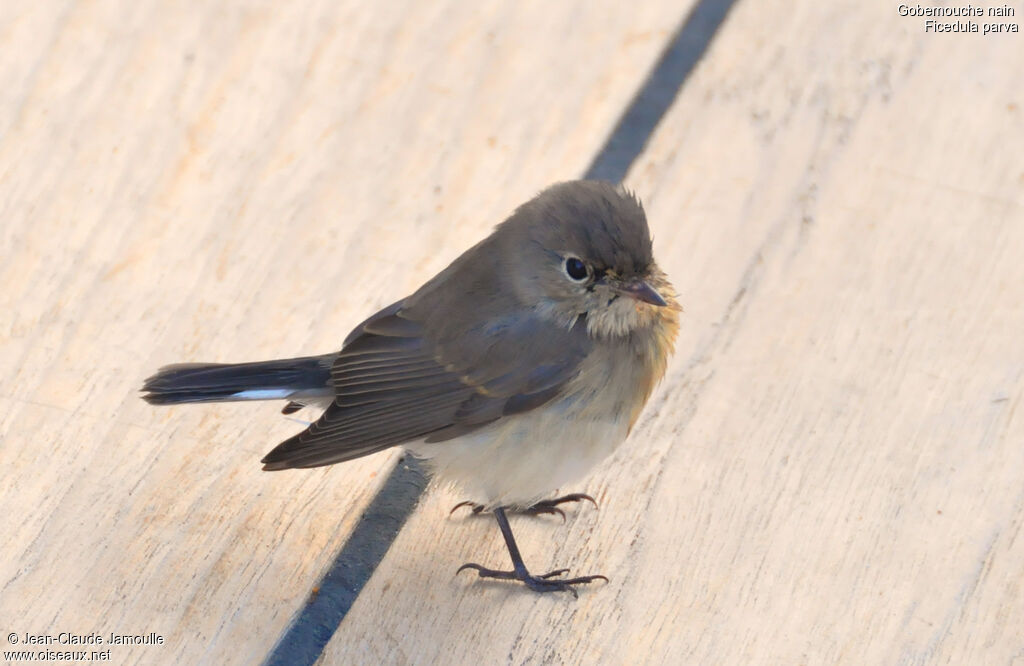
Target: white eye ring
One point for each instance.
(576, 269)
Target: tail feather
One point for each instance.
(306, 377)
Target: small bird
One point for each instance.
(512, 372)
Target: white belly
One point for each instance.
(521, 459)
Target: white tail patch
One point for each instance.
(263, 394)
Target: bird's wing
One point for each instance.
(395, 382)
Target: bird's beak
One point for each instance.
(641, 291)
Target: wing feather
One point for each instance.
(410, 373)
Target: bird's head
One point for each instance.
(584, 250)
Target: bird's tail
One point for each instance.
(298, 379)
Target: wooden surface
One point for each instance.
(832, 472)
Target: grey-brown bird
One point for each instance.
(512, 372)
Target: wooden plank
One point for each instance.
(832, 471)
(214, 182)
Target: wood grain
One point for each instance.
(233, 182)
(833, 471)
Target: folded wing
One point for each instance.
(394, 382)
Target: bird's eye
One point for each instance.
(575, 269)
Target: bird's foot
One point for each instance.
(477, 509)
(543, 583)
(551, 505)
(544, 506)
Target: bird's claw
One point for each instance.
(541, 583)
(477, 508)
(543, 507)
(551, 505)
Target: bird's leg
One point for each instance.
(543, 583)
(544, 506)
